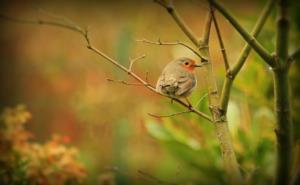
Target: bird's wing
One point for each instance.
(185, 85)
(167, 85)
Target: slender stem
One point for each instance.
(132, 61)
(283, 130)
(244, 55)
(282, 98)
(169, 115)
(66, 25)
(293, 57)
(159, 42)
(295, 54)
(221, 126)
(177, 18)
(262, 52)
(256, 30)
(224, 54)
(206, 32)
(282, 32)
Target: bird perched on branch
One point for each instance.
(178, 79)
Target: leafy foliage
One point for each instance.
(24, 162)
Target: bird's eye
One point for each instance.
(186, 63)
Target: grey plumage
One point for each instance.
(175, 81)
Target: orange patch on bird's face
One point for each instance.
(189, 66)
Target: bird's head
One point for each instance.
(188, 64)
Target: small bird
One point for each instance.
(178, 79)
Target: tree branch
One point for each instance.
(170, 115)
(293, 56)
(84, 33)
(256, 30)
(177, 18)
(206, 32)
(159, 42)
(221, 126)
(45, 22)
(225, 95)
(224, 54)
(282, 103)
(261, 51)
(124, 82)
(132, 61)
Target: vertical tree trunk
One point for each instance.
(221, 126)
(282, 98)
(283, 130)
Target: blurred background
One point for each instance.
(57, 90)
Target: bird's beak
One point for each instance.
(197, 65)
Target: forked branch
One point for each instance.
(84, 33)
(262, 52)
(132, 61)
(159, 42)
(177, 18)
(237, 66)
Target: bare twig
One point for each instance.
(84, 33)
(44, 22)
(201, 98)
(180, 22)
(170, 115)
(206, 32)
(224, 54)
(55, 16)
(260, 50)
(159, 42)
(294, 56)
(124, 82)
(132, 61)
(237, 66)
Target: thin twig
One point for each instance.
(132, 61)
(237, 66)
(84, 33)
(170, 115)
(180, 22)
(206, 33)
(44, 22)
(55, 16)
(260, 50)
(124, 82)
(159, 42)
(224, 54)
(294, 56)
(256, 30)
(201, 98)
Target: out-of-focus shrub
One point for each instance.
(25, 162)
